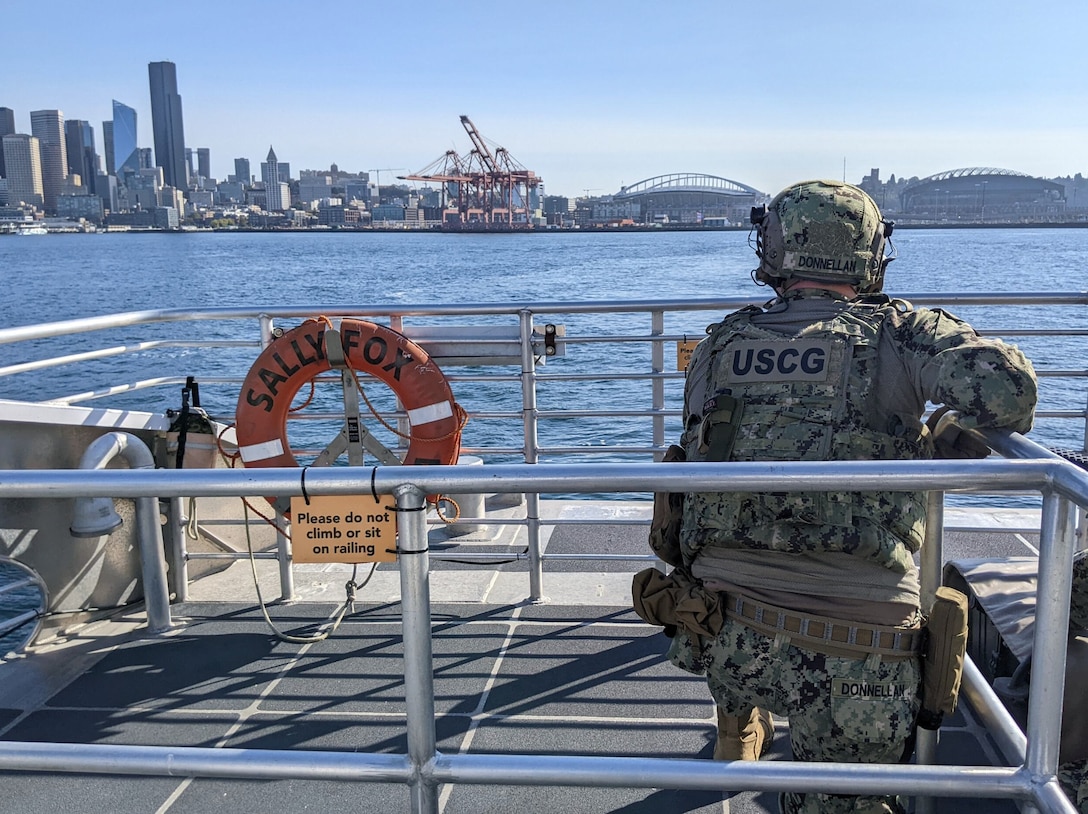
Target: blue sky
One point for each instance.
(590, 95)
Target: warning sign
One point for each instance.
(683, 353)
(343, 528)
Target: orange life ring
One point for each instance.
(298, 356)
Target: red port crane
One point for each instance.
(487, 189)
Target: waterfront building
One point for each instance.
(314, 188)
(105, 187)
(228, 192)
(388, 213)
(166, 123)
(242, 173)
(48, 127)
(82, 156)
(357, 190)
(144, 188)
(7, 127)
(23, 163)
(126, 157)
(80, 207)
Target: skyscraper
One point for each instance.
(166, 123)
(7, 127)
(82, 157)
(48, 127)
(204, 162)
(107, 146)
(273, 186)
(22, 159)
(126, 158)
(242, 172)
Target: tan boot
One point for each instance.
(743, 737)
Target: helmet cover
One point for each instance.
(822, 230)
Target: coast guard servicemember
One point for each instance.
(805, 604)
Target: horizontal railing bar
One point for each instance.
(17, 584)
(535, 770)
(226, 555)
(120, 350)
(65, 327)
(15, 622)
(953, 476)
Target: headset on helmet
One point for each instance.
(821, 230)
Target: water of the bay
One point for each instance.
(58, 277)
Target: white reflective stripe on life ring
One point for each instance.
(432, 412)
(261, 452)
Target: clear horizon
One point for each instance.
(588, 95)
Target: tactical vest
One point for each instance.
(800, 398)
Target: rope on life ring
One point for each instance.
(298, 356)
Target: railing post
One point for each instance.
(931, 561)
(415, 599)
(178, 548)
(532, 454)
(657, 386)
(1049, 643)
(283, 556)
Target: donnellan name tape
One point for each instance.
(343, 528)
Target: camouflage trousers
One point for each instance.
(1074, 779)
(839, 709)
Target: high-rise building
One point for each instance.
(107, 146)
(22, 159)
(48, 127)
(126, 157)
(204, 162)
(242, 172)
(274, 187)
(146, 162)
(82, 156)
(166, 123)
(7, 127)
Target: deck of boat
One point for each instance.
(579, 674)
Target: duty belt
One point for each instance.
(821, 634)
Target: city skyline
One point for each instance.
(588, 96)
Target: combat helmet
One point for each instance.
(821, 230)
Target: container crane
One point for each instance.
(487, 189)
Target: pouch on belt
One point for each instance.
(942, 656)
(675, 600)
(668, 514)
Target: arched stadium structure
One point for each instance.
(982, 194)
(690, 197)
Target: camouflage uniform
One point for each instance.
(1078, 606)
(873, 363)
(1074, 775)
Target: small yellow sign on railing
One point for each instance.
(343, 528)
(683, 353)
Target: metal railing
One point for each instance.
(536, 398)
(1031, 778)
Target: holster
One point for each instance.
(668, 514)
(942, 657)
(676, 601)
